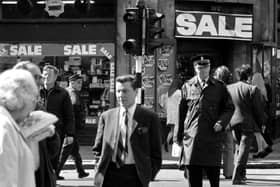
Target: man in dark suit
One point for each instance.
(247, 119)
(128, 141)
(205, 110)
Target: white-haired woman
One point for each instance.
(18, 97)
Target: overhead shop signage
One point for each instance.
(100, 49)
(214, 25)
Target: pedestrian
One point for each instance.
(75, 86)
(223, 74)
(49, 147)
(172, 110)
(18, 95)
(205, 110)
(247, 119)
(263, 139)
(128, 141)
(57, 101)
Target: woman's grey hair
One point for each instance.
(17, 87)
(223, 74)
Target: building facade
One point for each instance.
(75, 36)
(230, 32)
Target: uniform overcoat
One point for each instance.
(200, 109)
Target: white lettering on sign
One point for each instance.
(205, 24)
(106, 53)
(84, 49)
(25, 50)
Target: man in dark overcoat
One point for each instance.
(205, 110)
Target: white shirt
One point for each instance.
(201, 82)
(130, 112)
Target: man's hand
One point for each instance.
(68, 140)
(98, 180)
(218, 127)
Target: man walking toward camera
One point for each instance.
(205, 110)
(127, 141)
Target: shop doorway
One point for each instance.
(216, 50)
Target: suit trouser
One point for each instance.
(194, 175)
(243, 142)
(125, 176)
(73, 150)
(228, 154)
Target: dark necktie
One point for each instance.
(122, 149)
(203, 83)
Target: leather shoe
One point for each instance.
(238, 182)
(84, 174)
(263, 153)
(228, 177)
(58, 177)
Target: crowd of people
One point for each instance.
(207, 115)
(33, 147)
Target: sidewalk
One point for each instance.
(272, 161)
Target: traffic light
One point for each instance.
(25, 6)
(134, 26)
(153, 30)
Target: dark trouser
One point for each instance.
(243, 141)
(55, 159)
(194, 175)
(125, 176)
(267, 138)
(73, 150)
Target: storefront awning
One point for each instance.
(84, 49)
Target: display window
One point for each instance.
(94, 62)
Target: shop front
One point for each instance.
(225, 38)
(93, 61)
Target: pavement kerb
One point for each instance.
(272, 161)
(167, 164)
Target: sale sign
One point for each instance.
(215, 25)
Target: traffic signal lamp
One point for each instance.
(134, 24)
(153, 30)
(25, 6)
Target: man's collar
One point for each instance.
(130, 110)
(208, 80)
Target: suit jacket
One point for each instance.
(145, 142)
(249, 110)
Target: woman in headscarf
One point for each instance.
(18, 97)
(223, 74)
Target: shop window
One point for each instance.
(95, 71)
(96, 81)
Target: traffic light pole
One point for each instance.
(139, 60)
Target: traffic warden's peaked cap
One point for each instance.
(74, 77)
(201, 61)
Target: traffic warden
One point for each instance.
(205, 110)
